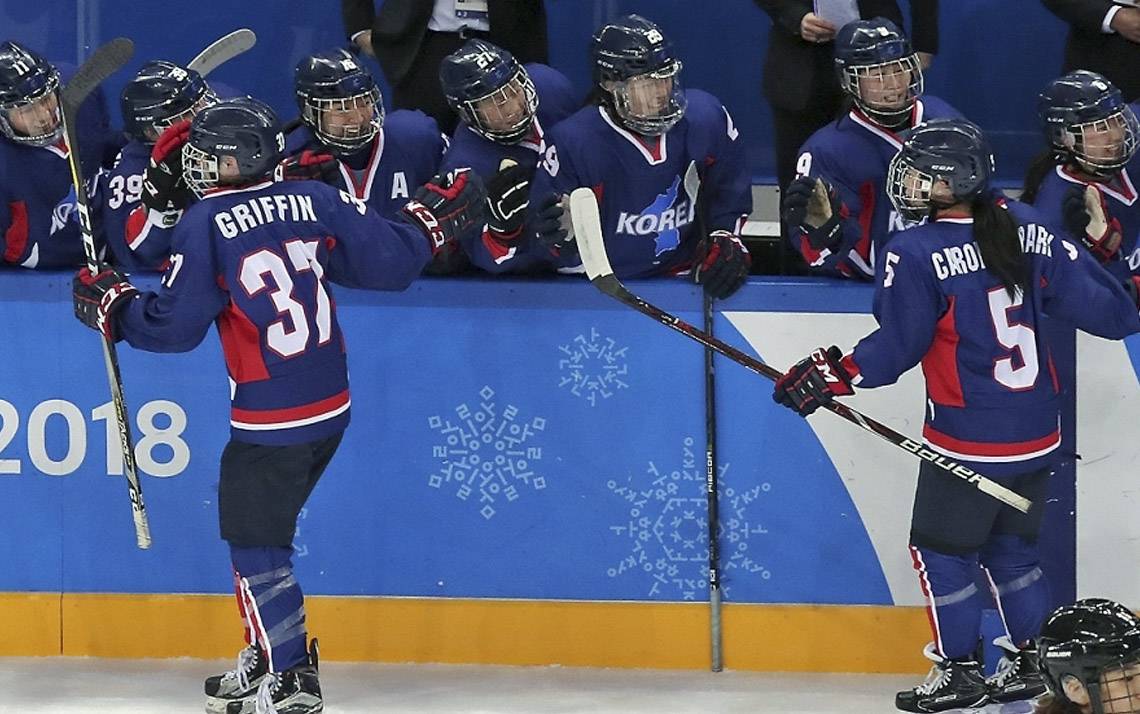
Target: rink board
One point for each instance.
(521, 441)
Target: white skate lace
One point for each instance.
(246, 660)
(937, 679)
(1006, 670)
(264, 702)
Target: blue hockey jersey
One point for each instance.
(404, 155)
(556, 101)
(38, 226)
(258, 262)
(1121, 198)
(139, 240)
(647, 187)
(852, 155)
(991, 387)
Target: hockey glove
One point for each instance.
(97, 297)
(508, 198)
(814, 381)
(551, 226)
(1132, 285)
(163, 187)
(812, 207)
(308, 165)
(446, 206)
(721, 264)
(1085, 214)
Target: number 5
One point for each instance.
(1013, 336)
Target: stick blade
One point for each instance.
(588, 233)
(102, 63)
(222, 50)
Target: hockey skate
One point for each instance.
(238, 684)
(951, 684)
(294, 691)
(1017, 677)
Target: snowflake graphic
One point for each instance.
(667, 529)
(593, 367)
(487, 452)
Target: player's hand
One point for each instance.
(97, 297)
(721, 264)
(1085, 215)
(163, 187)
(811, 205)
(1126, 23)
(508, 198)
(446, 206)
(551, 226)
(363, 42)
(308, 165)
(814, 381)
(814, 28)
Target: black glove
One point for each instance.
(97, 297)
(1085, 214)
(551, 231)
(811, 206)
(163, 187)
(446, 206)
(721, 264)
(508, 198)
(308, 165)
(814, 381)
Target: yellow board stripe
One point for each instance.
(804, 638)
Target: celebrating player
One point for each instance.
(646, 148)
(1089, 653)
(160, 95)
(256, 257)
(1082, 180)
(504, 111)
(38, 228)
(964, 295)
(836, 210)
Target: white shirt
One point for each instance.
(455, 15)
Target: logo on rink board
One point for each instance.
(488, 454)
(593, 367)
(667, 529)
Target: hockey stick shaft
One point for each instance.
(587, 228)
(712, 496)
(102, 63)
(222, 50)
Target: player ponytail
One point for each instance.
(1035, 175)
(1052, 704)
(996, 234)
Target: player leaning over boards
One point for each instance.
(646, 146)
(256, 258)
(836, 210)
(964, 295)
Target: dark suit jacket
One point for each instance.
(1089, 48)
(519, 26)
(799, 74)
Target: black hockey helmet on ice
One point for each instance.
(1089, 639)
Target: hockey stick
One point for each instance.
(222, 50)
(102, 64)
(712, 493)
(591, 247)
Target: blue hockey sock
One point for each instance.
(953, 602)
(274, 604)
(1020, 588)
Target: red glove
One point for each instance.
(97, 297)
(721, 264)
(163, 186)
(308, 165)
(447, 206)
(814, 381)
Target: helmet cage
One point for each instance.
(909, 189)
(200, 169)
(633, 97)
(888, 113)
(49, 86)
(492, 115)
(1081, 141)
(347, 138)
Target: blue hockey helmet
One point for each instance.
(878, 69)
(492, 93)
(27, 79)
(1096, 642)
(161, 94)
(1087, 120)
(243, 129)
(635, 65)
(953, 151)
(338, 100)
